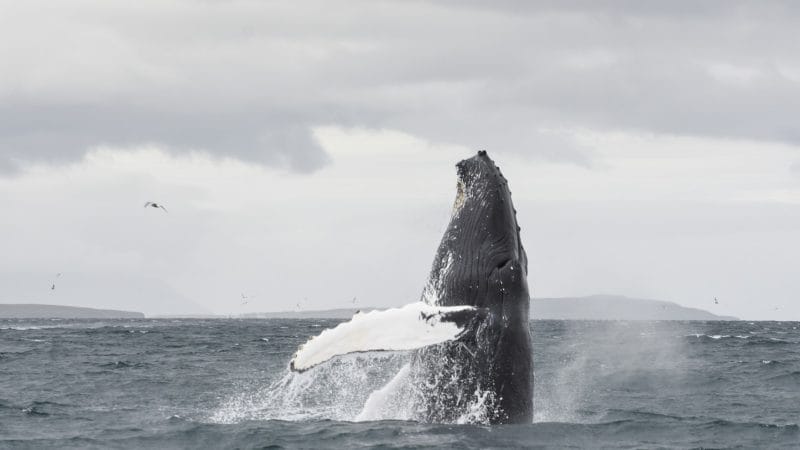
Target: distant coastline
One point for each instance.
(36, 311)
(594, 307)
(616, 307)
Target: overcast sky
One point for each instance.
(305, 150)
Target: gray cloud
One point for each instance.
(250, 80)
(59, 133)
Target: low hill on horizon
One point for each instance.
(38, 311)
(593, 307)
(615, 307)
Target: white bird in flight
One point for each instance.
(53, 285)
(155, 205)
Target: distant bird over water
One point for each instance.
(53, 285)
(716, 302)
(155, 205)
(245, 299)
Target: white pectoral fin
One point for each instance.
(411, 327)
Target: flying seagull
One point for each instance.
(53, 285)
(245, 299)
(716, 302)
(155, 205)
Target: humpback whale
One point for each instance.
(470, 332)
(481, 263)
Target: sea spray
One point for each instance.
(336, 390)
(604, 355)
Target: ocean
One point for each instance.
(225, 384)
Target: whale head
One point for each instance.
(482, 237)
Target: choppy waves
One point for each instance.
(225, 383)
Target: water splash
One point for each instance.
(361, 387)
(337, 390)
(389, 401)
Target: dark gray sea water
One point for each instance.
(225, 384)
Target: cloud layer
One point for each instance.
(250, 80)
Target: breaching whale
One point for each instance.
(470, 332)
